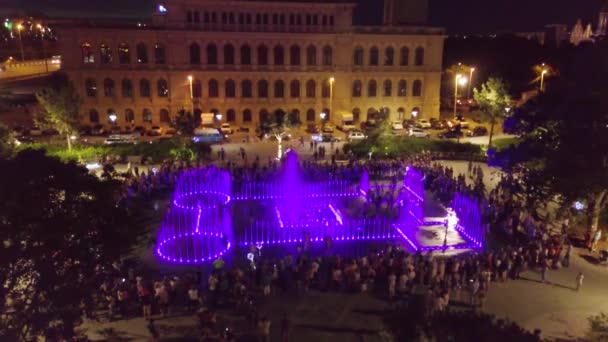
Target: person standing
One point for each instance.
(285, 328)
(264, 329)
(566, 262)
(543, 271)
(153, 331)
(392, 279)
(193, 300)
(579, 280)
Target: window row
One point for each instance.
(213, 88)
(129, 116)
(227, 18)
(388, 57)
(387, 88)
(123, 53)
(262, 53)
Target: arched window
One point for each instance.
(195, 53)
(230, 88)
(371, 88)
(279, 89)
(294, 55)
(189, 16)
(197, 17)
(108, 87)
(211, 54)
(294, 116)
(105, 54)
(214, 88)
(263, 115)
(162, 88)
(311, 55)
(124, 57)
(246, 89)
(325, 89)
(245, 55)
(90, 87)
(93, 116)
(358, 56)
(262, 88)
(127, 88)
(417, 88)
(279, 55)
(129, 116)
(231, 115)
(164, 116)
(144, 88)
(387, 89)
(310, 115)
(228, 54)
(389, 56)
(373, 56)
(247, 115)
(357, 88)
(88, 56)
(294, 89)
(404, 56)
(147, 115)
(262, 55)
(160, 54)
(419, 56)
(310, 88)
(142, 53)
(327, 56)
(197, 89)
(402, 88)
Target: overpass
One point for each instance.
(11, 71)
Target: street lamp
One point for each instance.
(323, 115)
(542, 79)
(46, 62)
(331, 94)
(218, 117)
(458, 80)
(414, 114)
(470, 83)
(19, 28)
(191, 94)
(113, 119)
(507, 109)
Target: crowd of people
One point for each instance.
(391, 272)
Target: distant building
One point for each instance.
(579, 35)
(602, 25)
(251, 59)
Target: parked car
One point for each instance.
(141, 130)
(98, 130)
(438, 124)
(244, 129)
(328, 128)
(312, 128)
(463, 123)
(397, 125)
(423, 123)
(35, 131)
(126, 130)
(50, 131)
(356, 135)
(480, 131)
(24, 139)
(85, 130)
(121, 139)
(419, 133)
(328, 137)
(451, 134)
(170, 132)
(155, 131)
(409, 123)
(225, 128)
(115, 130)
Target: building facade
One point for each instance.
(250, 59)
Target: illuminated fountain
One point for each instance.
(196, 227)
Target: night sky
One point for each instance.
(458, 16)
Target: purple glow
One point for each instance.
(467, 210)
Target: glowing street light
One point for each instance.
(218, 116)
(191, 94)
(458, 80)
(323, 115)
(46, 62)
(542, 79)
(414, 114)
(331, 94)
(471, 71)
(19, 28)
(113, 118)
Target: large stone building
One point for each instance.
(250, 59)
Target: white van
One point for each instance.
(118, 139)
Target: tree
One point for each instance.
(61, 104)
(6, 141)
(184, 122)
(277, 125)
(564, 136)
(59, 224)
(493, 99)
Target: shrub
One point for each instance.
(397, 147)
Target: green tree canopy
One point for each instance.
(59, 223)
(493, 99)
(61, 108)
